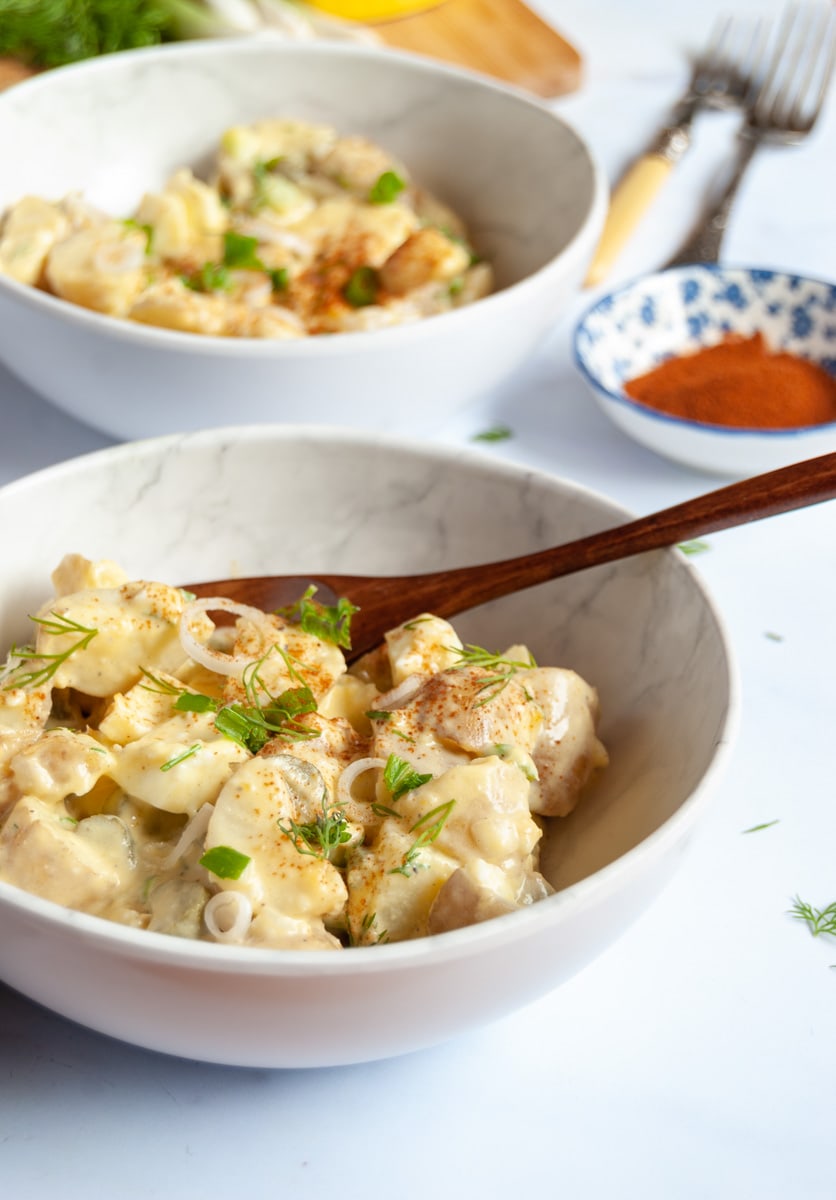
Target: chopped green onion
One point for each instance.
(225, 862)
(178, 758)
(148, 230)
(195, 702)
(361, 289)
(240, 252)
(386, 188)
(212, 277)
(764, 825)
(496, 433)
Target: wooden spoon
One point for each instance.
(386, 602)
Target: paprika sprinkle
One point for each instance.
(740, 383)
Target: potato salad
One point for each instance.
(298, 231)
(204, 769)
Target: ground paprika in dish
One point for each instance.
(742, 383)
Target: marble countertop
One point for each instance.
(697, 1056)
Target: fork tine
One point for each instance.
(828, 60)
(790, 93)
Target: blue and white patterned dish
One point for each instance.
(678, 311)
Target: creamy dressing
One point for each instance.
(299, 232)
(262, 795)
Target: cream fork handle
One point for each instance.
(635, 193)
(630, 201)
(705, 244)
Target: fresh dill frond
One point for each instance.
(501, 669)
(319, 838)
(162, 686)
(818, 920)
(58, 625)
(428, 830)
(50, 33)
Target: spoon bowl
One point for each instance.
(384, 602)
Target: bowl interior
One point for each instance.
(679, 311)
(120, 125)
(209, 505)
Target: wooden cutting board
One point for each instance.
(12, 72)
(502, 38)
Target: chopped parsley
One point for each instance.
(254, 723)
(252, 726)
(695, 546)
(225, 862)
(328, 622)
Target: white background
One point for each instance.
(697, 1057)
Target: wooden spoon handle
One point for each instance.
(387, 602)
(796, 486)
(447, 593)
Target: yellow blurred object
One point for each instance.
(373, 10)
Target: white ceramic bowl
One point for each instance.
(524, 182)
(680, 310)
(182, 508)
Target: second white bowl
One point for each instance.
(523, 181)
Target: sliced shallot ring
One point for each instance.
(228, 915)
(192, 831)
(358, 767)
(217, 660)
(399, 695)
(269, 232)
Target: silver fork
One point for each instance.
(789, 73)
(719, 80)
